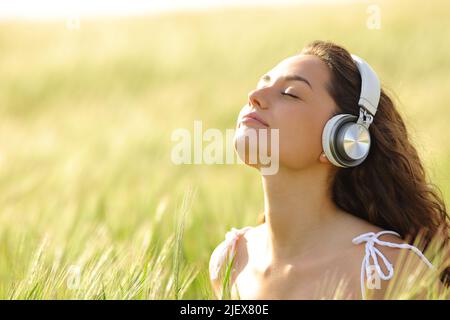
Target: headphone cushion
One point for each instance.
(329, 135)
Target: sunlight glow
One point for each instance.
(48, 9)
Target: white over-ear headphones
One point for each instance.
(346, 138)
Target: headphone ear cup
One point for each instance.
(328, 138)
(353, 142)
(334, 134)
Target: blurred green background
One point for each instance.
(90, 200)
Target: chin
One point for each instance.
(248, 153)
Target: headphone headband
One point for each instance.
(370, 86)
(345, 137)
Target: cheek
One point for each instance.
(300, 137)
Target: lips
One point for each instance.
(254, 116)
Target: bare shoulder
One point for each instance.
(397, 251)
(397, 260)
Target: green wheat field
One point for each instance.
(91, 205)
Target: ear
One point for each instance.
(323, 158)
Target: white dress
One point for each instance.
(226, 250)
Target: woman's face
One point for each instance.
(292, 97)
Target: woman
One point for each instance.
(326, 220)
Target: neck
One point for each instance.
(299, 212)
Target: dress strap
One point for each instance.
(223, 250)
(371, 239)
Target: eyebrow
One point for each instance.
(292, 77)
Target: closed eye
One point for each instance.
(288, 94)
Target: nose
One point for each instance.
(255, 98)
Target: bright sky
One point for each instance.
(45, 9)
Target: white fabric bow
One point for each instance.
(220, 254)
(372, 252)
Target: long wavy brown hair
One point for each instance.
(390, 188)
